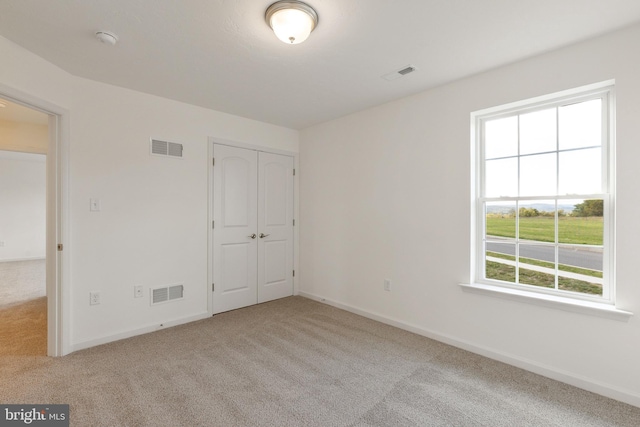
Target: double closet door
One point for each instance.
(253, 227)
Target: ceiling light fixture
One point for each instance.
(107, 37)
(292, 21)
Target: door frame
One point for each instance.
(296, 198)
(57, 227)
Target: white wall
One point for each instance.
(153, 223)
(22, 206)
(152, 229)
(385, 193)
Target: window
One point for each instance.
(544, 194)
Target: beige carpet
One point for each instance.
(295, 362)
(23, 328)
(23, 308)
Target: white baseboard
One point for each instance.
(132, 333)
(35, 258)
(584, 383)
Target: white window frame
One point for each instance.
(604, 91)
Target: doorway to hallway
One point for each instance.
(24, 142)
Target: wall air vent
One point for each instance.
(400, 73)
(166, 149)
(166, 294)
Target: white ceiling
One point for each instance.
(220, 54)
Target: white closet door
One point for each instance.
(235, 185)
(275, 226)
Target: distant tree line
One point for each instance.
(589, 208)
(584, 209)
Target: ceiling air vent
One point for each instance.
(406, 71)
(166, 149)
(400, 73)
(166, 294)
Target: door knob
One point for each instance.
(253, 236)
(262, 235)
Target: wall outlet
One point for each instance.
(1, 243)
(94, 298)
(387, 285)
(138, 291)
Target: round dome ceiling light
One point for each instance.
(291, 21)
(107, 37)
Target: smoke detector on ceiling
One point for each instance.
(106, 37)
(400, 73)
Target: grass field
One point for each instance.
(561, 267)
(507, 273)
(573, 230)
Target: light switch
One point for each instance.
(94, 205)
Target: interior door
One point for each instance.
(275, 226)
(235, 241)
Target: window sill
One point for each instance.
(584, 307)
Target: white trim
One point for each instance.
(58, 225)
(296, 228)
(210, 226)
(221, 141)
(607, 311)
(23, 156)
(135, 332)
(612, 392)
(35, 258)
(609, 222)
(539, 101)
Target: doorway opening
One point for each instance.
(24, 143)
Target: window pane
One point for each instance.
(537, 221)
(501, 137)
(580, 269)
(580, 124)
(500, 220)
(580, 172)
(587, 261)
(580, 286)
(584, 224)
(501, 177)
(538, 132)
(544, 255)
(500, 261)
(538, 175)
(536, 265)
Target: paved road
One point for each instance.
(575, 257)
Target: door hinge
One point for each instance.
(294, 222)
(294, 172)
(60, 247)
(294, 273)
(213, 161)
(213, 287)
(213, 224)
